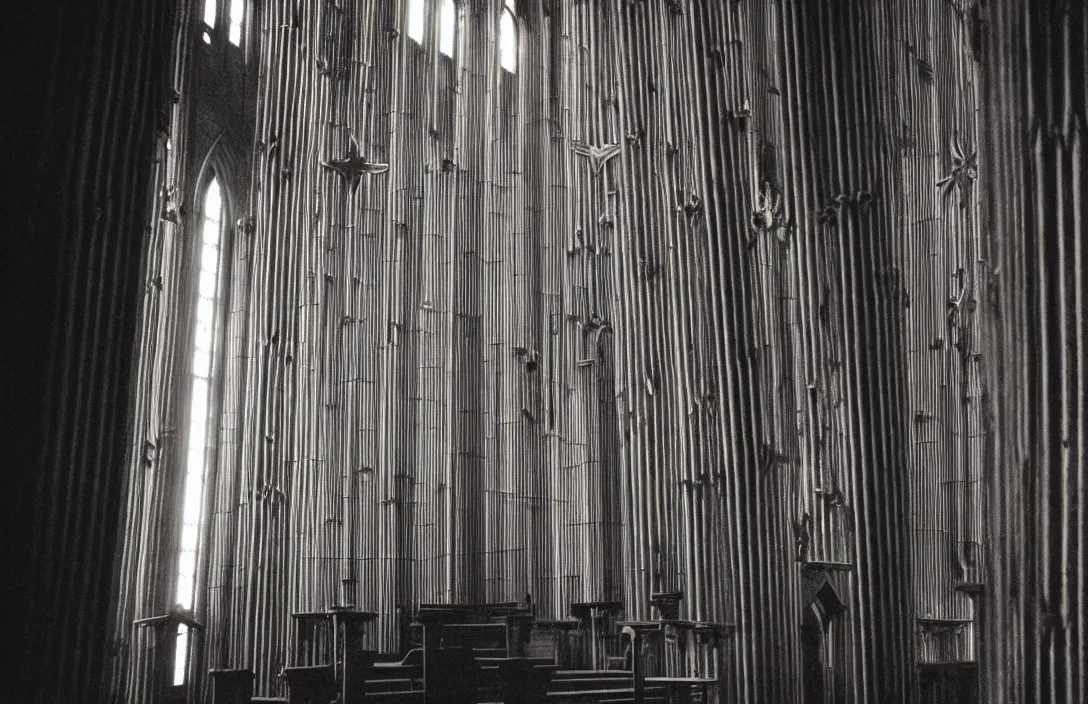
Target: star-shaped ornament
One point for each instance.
(963, 174)
(598, 156)
(354, 165)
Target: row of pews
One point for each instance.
(485, 654)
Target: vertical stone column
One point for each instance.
(1033, 640)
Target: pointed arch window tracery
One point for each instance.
(508, 37)
(448, 26)
(199, 451)
(232, 15)
(211, 10)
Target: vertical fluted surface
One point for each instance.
(1032, 193)
(702, 294)
(91, 80)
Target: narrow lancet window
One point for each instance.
(210, 11)
(197, 454)
(237, 16)
(508, 37)
(448, 39)
(417, 15)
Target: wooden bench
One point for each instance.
(449, 676)
(405, 675)
(310, 684)
(513, 680)
(674, 686)
(165, 631)
(599, 686)
(478, 636)
(231, 686)
(476, 613)
(624, 695)
(595, 629)
(395, 697)
(552, 639)
(336, 639)
(506, 636)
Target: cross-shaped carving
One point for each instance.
(354, 165)
(598, 156)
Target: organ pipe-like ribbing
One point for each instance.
(1033, 608)
(739, 300)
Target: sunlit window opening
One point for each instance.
(210, 10)
(417, 15)
(198, 415)
(237, 16)
(448, 20)
(508, 38)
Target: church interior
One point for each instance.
(567, 351)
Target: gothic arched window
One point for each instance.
(417, 20)
(211, 9)
(197, 456)
(235, 20)
(447, 24)
(237, 17)
(508, 37)
(447, 40)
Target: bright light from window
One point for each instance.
(209, 13)
(198, 416)
(449, 28)
(417, 14)
(182, 649)
(237, 14)
(508, 40)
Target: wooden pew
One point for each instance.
(489, 637)
(476, 613)
(599, 687)
(405, 675)
(450, 676)
(446, 671)
(519, 632)
(398, 681)
(464, 614)
(336, 638)
(596, 624)
(311, 684)
(552, 639)
(513, 680)
(313, 638)
(646, 639)
(682, 689)
(231, 686)
(505, 636)
(165, 629)
(644, 636)
(354, 662)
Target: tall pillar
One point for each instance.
(89, 80)
(1034, 58)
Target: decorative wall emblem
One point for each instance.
(352, 167)
(768, 215)
(964, 171)
(598, 156)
